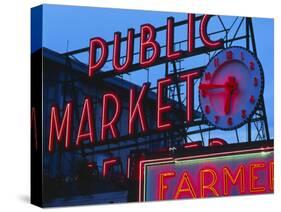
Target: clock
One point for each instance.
(231, 87)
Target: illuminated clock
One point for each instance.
(231, 87)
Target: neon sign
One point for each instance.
(142, 113)
(148, 41)
(223, 84)
(61, 126)
(216, 174)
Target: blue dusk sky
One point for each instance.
(67, 28)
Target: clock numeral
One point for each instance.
(256, 81)
(208, 76)
(252, 65)
(217, 118)
(243, 114)
(242, 56)
(229, 55)
(207, 109)
(216, 62)
(229, 121)
(252, 99)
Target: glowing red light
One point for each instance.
(229, 121)
(243, 114)
(217, 118)
(207, 109)
(252, 65)
(216, 62)
(94, 45)
(229, 55)
(208, 76)
(192, 145)
(107, 164)
(252, 99)
(128, 167)
(59, 128)
(34, 126)
(217, 142)
(91, 165)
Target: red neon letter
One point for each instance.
(271, 176)
(106, 165)
(170, 53)
(217, 142)
(94, 64)
(137, 110)
(253, 178)
(161, 107)
(34, 126)
(147, 41)
(86, 117)
(110, 125)
(204, 35)
(189, 77)
(129, 51)
(189, 188)
(191, 32)
(58, 128)
(162, 186)
(211, 185)
(228, 175)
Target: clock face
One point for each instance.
(231, 87)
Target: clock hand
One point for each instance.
(211, 86)
(227, 101)
(231, 86)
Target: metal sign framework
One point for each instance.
(182, 133)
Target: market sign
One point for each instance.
(62, 126)
(216, 174)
